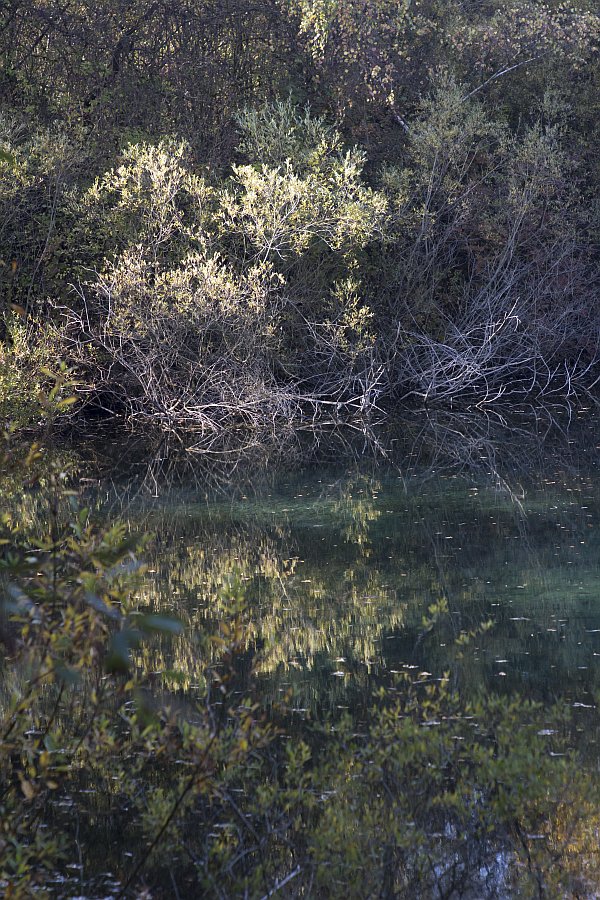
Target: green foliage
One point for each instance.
(424, 228)
(278, 214)
(373, 61)
(26, 399)
(259, 272)
(447, 798)
(275, 134)
(75, 710)
(38, 168)
(195, 285)
(152, 200)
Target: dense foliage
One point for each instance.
(238, 221)
(234, 222)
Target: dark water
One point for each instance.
(335, 566)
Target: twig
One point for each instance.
(502, 72)
(279, 884)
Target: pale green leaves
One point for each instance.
(153, 199)
(277, 133)
(302, 190)
(279, 213)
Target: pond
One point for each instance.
(389, 598)
(336, 566)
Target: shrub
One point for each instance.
(39, 168)
(215, 312)
(26, 399)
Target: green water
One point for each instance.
(336, 567)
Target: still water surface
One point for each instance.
(336, 567)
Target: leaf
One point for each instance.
(99, 605)
(49, 743)
(118, 659)
(67, 674)
(28, 789)
(160, 624)
(20, 601)
(9, 158)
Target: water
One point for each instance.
(336, 568)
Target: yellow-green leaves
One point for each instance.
(274, 134)
(280, 213)
(300, 189)
(153, 200)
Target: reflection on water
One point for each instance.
(337, 568)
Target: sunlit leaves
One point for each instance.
(76, 707)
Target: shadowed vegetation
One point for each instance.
(238, 223)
